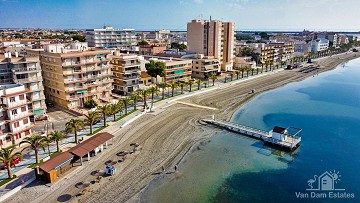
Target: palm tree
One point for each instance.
(242, 69)
(103, 110)
(162, 86)
(205, 83)
(113, 110)
(153, 91)
(198, 82)
(126, 101)
(144, 94)
(173, 85)
(35, 142)
(213, 78)
(231, 75)
(90, 119)
(182, 85)
(73, 126)
(237, 74)
(135, 97)
(7, 156)
(191, 83)
(56, 136)
(247, 71)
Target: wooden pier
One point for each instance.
(278, 137)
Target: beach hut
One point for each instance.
(279, 133)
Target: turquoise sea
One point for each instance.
(232, 168)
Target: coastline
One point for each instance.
(167, 136)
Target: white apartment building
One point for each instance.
(319, 45)
(14, 114)
(109, 37)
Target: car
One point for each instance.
(49, 104)
(15, 161)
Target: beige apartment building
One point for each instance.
(204, 66)
(126, 71)
(74, 73)
(14, 114)
(285, 51)
(212, 38)
(176, 69)
(268, 53)
(26, 71)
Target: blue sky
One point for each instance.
(174, 14)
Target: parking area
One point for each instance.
(57, 120)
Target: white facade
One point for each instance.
(319, 45)
(110, 37)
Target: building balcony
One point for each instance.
(19, 116)
(76, 88)
(27, 70)
(28, 80)
(22, 128)
(41, 97)
(13, 105)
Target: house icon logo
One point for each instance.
(324, 182)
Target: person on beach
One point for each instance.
(163, 169)
(175, 167)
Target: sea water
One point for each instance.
(233, 168)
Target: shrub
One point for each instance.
(90, 103)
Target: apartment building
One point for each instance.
(285, 51)
(204, 66)
(111, 37)
(14, 114)
(244, 61)
(301, 48)
(74, 73)
(26, 71)
(319, 45)
(268, 53)
(151, 49)
(126, 71)
(176, 69)
(212, 38)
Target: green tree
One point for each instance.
(126, 101)
(198, 82)
(190, 83)
(35, 142)
(79, 38)
(144, 94)
(56, 136)
(153, 91)
(155, 69)
(135, 97)
(7, 156)
(173, 86)
(103, 110)
(72, 126)
(113, 110)
(162, 86)
(232, 75)
(90, 119)
(180, 47)
(143, 43)
(237, 74)
(213, 78)
(182, 85)
(90, 103)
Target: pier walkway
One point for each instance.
(287, 140)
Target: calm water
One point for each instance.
(232, 168)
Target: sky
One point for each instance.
(292, 15)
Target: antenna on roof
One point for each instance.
(210, 18)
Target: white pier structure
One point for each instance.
(279, 137)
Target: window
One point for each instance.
(14, 112)
(23, 109)
(21, 97)
(12, 99)
(26, 121)
(16, 124)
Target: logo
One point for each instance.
(325, 181)
(325, 186)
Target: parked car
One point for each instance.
(15, 161)
(49, 104)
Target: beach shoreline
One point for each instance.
(166, 137)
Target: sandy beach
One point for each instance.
(165, 136)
